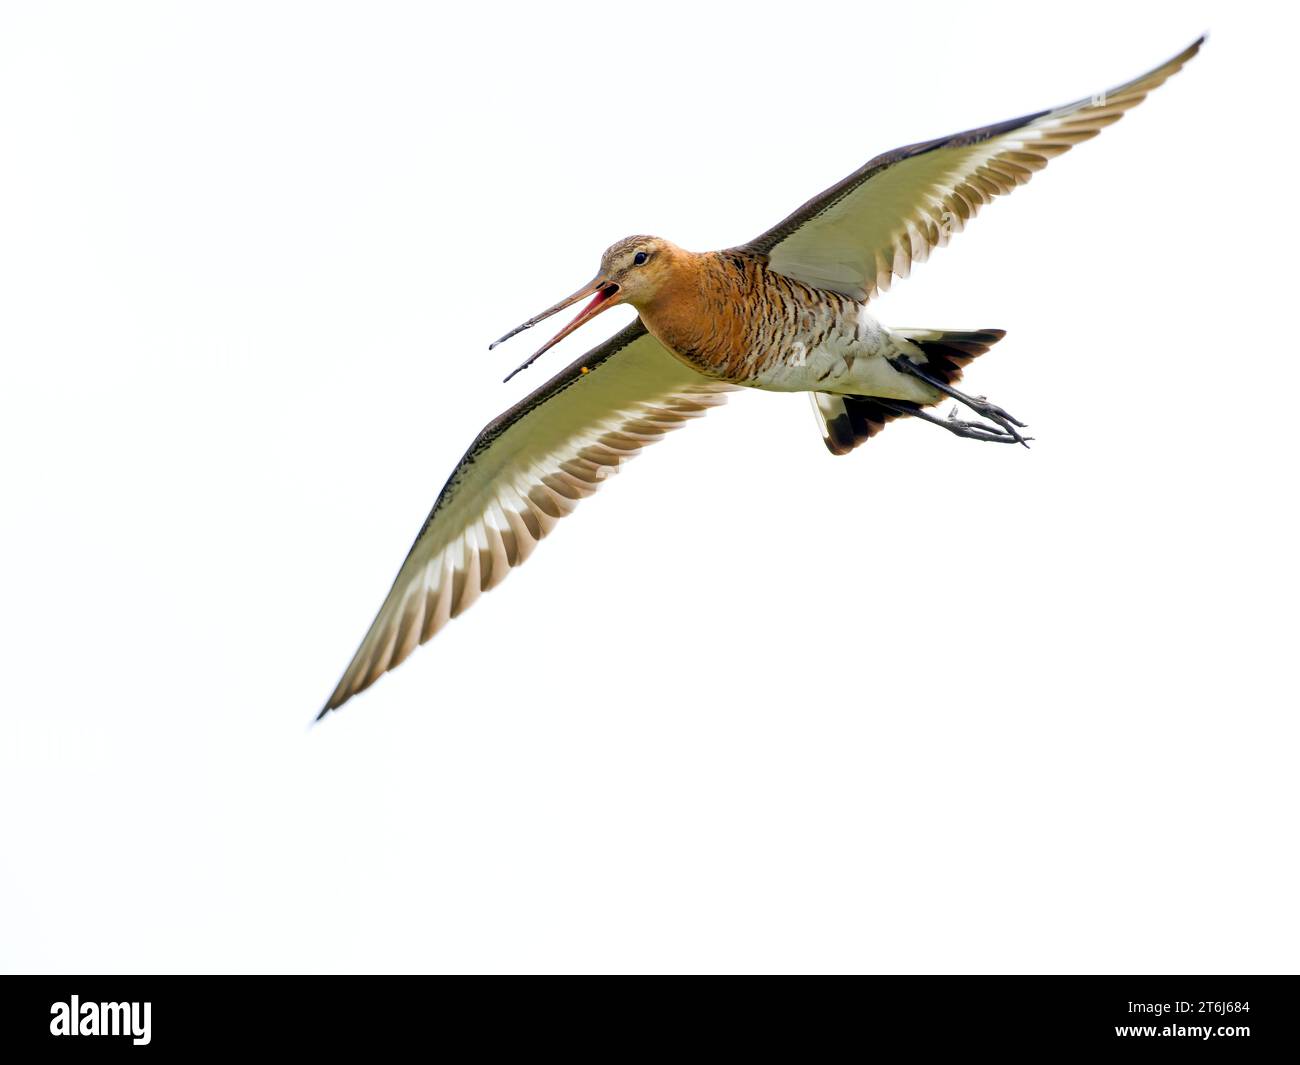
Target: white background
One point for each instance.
(938, 706)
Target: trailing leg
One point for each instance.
(954, 425)
(978, 404)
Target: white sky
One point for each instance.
(938, 706)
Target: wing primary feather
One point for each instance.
(525, 471)
(862, 231)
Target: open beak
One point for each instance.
(603, 295)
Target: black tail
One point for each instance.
(948, 353)
(847, 421)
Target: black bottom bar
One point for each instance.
(1217, 1015)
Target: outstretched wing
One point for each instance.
(855, 236)
(527, 469)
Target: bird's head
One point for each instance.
(640, 267)
(635, 270)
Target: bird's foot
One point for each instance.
(981, 431)
(979, 404)
(956, 426)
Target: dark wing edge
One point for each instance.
(954, 183)
(522, 473)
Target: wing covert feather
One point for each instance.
(859, 234)
(527, 469)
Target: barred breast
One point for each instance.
(746, 324)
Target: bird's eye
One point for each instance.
(639, 258)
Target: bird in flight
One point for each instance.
(786, 312)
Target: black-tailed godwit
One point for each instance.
(784, 313)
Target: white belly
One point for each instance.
(852, 360)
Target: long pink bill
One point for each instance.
(602, 293)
